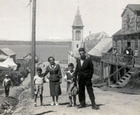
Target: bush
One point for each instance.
(16, 76)
(2, 76)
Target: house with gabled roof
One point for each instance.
(92, 40)
(103, 46)
(28, 57)
(123, 66)
(5, 53)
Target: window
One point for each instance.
(138, 13)
(78, 35)
(128, 20)
(77, 45)
(128, 44)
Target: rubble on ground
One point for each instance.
(8, 104)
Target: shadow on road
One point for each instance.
(47, 105)
(100, 105)
(88, 105)
(44, 112)
(66, 103)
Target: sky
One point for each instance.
(55, 18)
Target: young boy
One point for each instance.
(7, 83)
(69, 77)
(38, 86)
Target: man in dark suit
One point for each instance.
(84, 72)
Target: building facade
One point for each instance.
(104, 46)
(127, 36)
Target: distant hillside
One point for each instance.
(2, 42)
(44, 49)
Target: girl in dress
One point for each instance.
(69, 78)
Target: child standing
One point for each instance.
(38, 86)
(7, 83)
(69, 77)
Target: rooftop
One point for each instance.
(121, 32)
(102, 47)
(134, 7)
(8, 51)
(78, 20)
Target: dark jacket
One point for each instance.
(85, 71)
(55, 73)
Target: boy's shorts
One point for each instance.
(39, 89)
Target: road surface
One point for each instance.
(111, 103)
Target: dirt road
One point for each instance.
(111, 103)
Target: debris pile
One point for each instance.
(8, 104)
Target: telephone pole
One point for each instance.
(33, 45)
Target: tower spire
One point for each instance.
(78, 20)
(78, 11)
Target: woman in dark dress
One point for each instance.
(55, 79)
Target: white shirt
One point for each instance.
(71, 73)
(38, 80)
(6, 81)
(127, 52)
(82, 61)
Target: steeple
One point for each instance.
(77, 33)
(78, 21)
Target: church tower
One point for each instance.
(77, 33)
